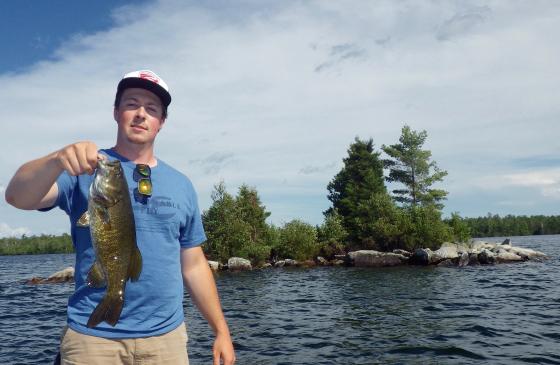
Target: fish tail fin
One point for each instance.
(109, 310)
(135, 266)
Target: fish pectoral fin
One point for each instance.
(135, 266)
(104, 216)
(84, 220)
(96, 276)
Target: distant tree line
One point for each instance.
(36, 245)
(510, 225)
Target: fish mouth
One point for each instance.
(108, 163)
(107, 168)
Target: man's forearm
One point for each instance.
(32, 182)
(200, 283)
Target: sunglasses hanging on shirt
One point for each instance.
(142, 175)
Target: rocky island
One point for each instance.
(449, 254)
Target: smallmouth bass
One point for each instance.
(113, 236)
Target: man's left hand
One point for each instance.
(223, 350)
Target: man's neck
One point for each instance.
(137, 153)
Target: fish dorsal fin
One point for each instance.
(135, 266)
(96, 276)
(84, 220)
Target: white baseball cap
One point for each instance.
(146, 79)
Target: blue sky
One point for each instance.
(271, 93)
(33, 30)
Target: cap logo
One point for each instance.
(149, 76)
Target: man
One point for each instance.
(169, 232)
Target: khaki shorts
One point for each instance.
(167, 349)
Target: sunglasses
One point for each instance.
(142, 175)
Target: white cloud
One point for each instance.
(7, 231)
(546, 183)
(534, 179)
(249, 105)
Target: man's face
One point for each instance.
(139, 115)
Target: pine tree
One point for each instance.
(252, 211)
(359, 180)
(410, 165)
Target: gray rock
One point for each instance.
(421, 256)
(528, 253)
(506, 256)
(447, 252)
(338, 262)
(279, 263)
(425, 256)
(463, 259)
(238, 263)
(507, 241)
(486, 257)
(402, 252)
(371, 258)
(214, 265)
(477, 246)
(61, 276)
(266, 265)
(290, 262)
(459, 246)
(473, 258)
(322, 261)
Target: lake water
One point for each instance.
(503, 314)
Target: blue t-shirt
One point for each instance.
(168, 221)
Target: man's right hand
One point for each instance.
(78, 158)
(34, 184)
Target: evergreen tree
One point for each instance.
(252, 211)
(226, 232)
(410, 165)
(360, 178)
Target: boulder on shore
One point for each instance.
(425, 256)
(371, 258)
(61, 276)
(486, 257)
(239, 264)
(463, 259)
(214, 265)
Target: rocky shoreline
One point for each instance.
(449, 254)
